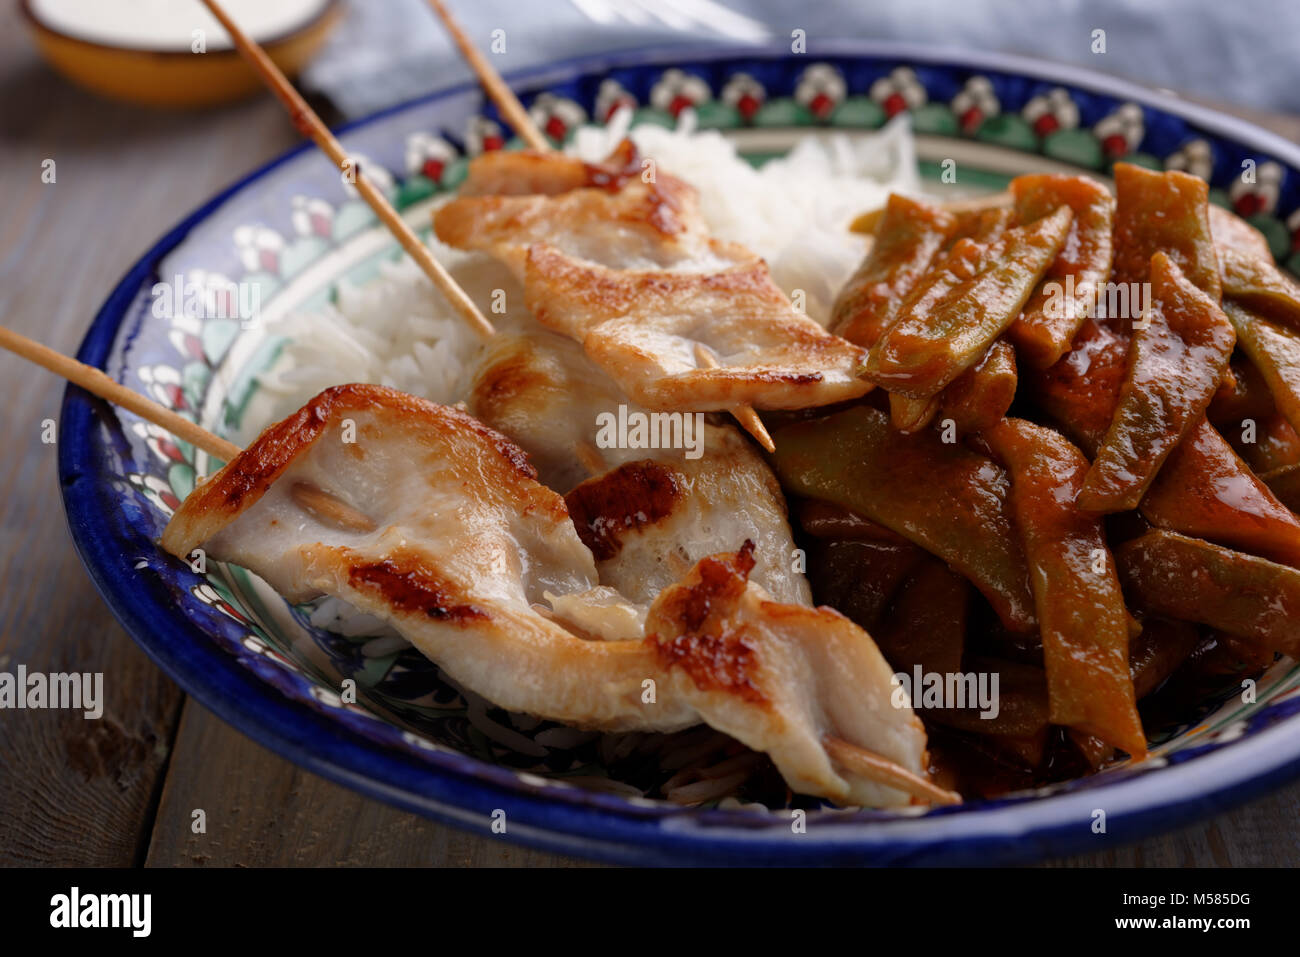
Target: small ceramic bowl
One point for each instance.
(151, 75)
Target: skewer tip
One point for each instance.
(743, 414)
(748, 418)
(889, 773)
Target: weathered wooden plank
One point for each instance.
(74, 791)
(262, 811)
(1260, 834)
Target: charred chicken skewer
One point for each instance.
(436, 523)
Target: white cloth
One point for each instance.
(1245, 52)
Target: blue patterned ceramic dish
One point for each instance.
(290, 230)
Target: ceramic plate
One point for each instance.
(291, 231)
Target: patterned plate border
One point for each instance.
(265, 699)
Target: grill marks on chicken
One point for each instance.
(642, 326)
(526, 172)
(463, 548)
(647, 514)
(782, 678)
(649, 521)
(608, 509)
(641, 225)
(627, 268)
(606, 214)
(466, 543)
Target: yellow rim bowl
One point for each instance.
(176, 79)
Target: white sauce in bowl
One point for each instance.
(169, 25)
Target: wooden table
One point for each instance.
(121, 790)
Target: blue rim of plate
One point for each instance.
(463, 791)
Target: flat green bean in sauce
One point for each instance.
(1093, 504)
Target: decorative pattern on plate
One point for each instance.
(279, 231)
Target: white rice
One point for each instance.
(795, 211)
(396, 331)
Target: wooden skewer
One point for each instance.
(883, 771)
(744, 414)
(329, 508)
(589, 457)
(493, 84)
(97, 383)
(518, 117)
(307, 122)
(511, 109)
(94, 381)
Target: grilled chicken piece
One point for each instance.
(462, 544)
(419, 515)
(783, 679)
(649, 521)
(607, 214)
(641, 225)
(527, 172)
(647, 514)
(644, 328)
(544, 394)
(627, 268)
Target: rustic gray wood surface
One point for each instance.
(122, 790)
